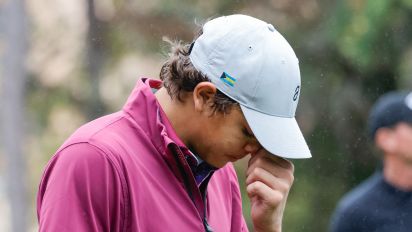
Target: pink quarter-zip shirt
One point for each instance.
(127, 172)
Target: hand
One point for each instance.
(268, 180)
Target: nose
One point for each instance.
(252, 147)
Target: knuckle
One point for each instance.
(258, 162)
(283, 187)
(256, 172)
(291, 179)
(256, 185)
(291, 166)
(288, 165)
(275, 198)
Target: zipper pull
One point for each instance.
(208, 228)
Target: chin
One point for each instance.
(217, 164)
(221, 165)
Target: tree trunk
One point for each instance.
(13, 90)
(95, 60)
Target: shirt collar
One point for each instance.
(143, 107)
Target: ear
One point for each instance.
(385, 139)
(203, 96)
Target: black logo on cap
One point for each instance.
(295, 97)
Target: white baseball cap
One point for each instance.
(250, 61)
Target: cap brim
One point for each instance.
(278, 135)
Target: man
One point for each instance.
(163, 163)
(383, 203)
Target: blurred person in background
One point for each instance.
(383, 203)
(164, 161)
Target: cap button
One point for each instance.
(271, 28)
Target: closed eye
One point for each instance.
(248, 134)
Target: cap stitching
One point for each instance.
(259, 79)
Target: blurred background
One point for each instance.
(63, 63)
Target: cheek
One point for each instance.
(222, 142)
(223, 135)
(232, 143)
(406, 139)
(407, 144)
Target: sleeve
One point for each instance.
(238, 220)
(80, 191)
(341, 221)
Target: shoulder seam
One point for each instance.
(123, 182)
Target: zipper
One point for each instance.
(189, 191)
(208, 228)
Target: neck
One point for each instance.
(398, 172)
(176, 114)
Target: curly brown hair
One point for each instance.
(179, 76)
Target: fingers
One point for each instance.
(266, 194)
(263, 164)
(261, 175)
(269, 179)
(262, 153)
